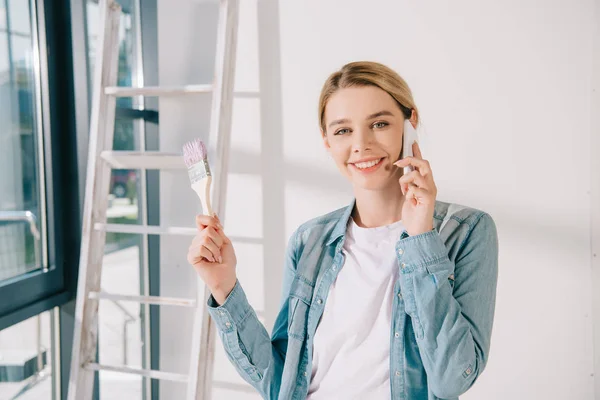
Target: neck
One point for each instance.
(378, 207)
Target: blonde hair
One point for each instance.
(368, 73)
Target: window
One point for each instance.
(22, 232)
(26, 359)
(39, 213)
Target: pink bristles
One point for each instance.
(194, 152)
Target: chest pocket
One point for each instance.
(299, 303)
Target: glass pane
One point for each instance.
(2, 16)
(20, 238)
(19, 18)
(119, 323)
(26, 359)
(123, 206)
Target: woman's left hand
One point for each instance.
(419, 192)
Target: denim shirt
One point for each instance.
(441, 320)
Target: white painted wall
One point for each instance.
(505, 95)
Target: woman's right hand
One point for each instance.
(212, 255)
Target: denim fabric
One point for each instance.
(442, 314)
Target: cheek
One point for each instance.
(393, 144)
(339, 157)
(338, 153)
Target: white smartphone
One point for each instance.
(410, 136)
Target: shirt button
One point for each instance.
(319, 301)
(221, 313)
(400, 251)
(403, 265)
(397, 334)
(400, 295)
(333, 268)
(468, 371)
(397, 373)
(305, 374)
(228, 324)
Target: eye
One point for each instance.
(342, 131)
(379, 125)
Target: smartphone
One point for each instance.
(410, 136)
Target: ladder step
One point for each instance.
(141, 229)
(143, 160)
(158, 300)
(169, 230)
(126, 91)
(150, 373)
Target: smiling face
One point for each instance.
(364, 127)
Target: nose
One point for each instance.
(363, 140)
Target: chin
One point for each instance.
(371, 183)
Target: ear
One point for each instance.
(413, 119)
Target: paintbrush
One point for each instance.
(196, 159)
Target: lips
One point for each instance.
(367, 166)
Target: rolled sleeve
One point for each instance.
(420, 251)
(451, 302)
(233, 312)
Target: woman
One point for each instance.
(390, 297)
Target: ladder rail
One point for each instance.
(201, 368)
(102, 159)
(102, 123)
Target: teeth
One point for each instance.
(367, 164)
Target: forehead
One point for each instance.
(359, 102)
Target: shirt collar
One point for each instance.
(340, 227)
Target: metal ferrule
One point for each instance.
(199, 171)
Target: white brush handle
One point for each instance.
(202, 189)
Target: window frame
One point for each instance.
(29, 294)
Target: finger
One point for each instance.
(214, 250)
(201, 263)
(200, 253)
(414, 177)
(195, 256)
(421, 165)
(214, 235)
(417, 150)
(224, 237)
(202, 221)
(204, 252)
(420, 195)
(406, 186)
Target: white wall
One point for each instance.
(499, 86)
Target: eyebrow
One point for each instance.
(380, 114)
(339, 122)
(375, 115)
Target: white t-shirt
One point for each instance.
(351, 349)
